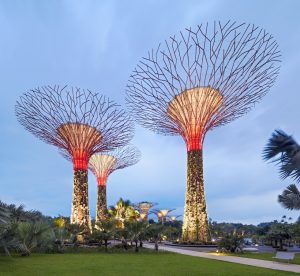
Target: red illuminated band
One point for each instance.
(80, 160)
(101, 180)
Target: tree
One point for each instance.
(154, 232)
(60, 232)
(35, 235)
(278, 233)
(195, 81)
(105, 230)
(11, 216)
(290, 198)
(136, 231)
(80, 123)
(231, 243)
(285, 152)
(123, 211)
(103, 164)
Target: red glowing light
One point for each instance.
(101, 180)
(80, 159)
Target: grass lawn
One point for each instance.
(143, 263)
(267, 256)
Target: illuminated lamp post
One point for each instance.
(103, 164)
(144, 208)
(80, 123)
(201, 79)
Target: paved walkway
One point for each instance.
(232, 259)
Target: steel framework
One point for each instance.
(201, 79)
(78, 122)
(103, 164)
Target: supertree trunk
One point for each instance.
(195, 227)
(80, 207)
(101, 203)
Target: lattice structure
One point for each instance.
(162, 214)
(103, 164)
(144, 208)
(78, 122)
(198, 80)
(174, 218)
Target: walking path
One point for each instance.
(232, 259)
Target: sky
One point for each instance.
(96, 45)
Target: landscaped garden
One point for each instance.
(203, 76)
(124, 264)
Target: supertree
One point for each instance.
(144, 208)
(103, 164)
(201, 79)
(174, 218)
(162, 214)
(78, 122)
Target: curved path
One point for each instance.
(233, 259)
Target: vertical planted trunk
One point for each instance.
(195, 223)
(80, 207)
(101, 203)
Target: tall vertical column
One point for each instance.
(80, 207)
(101, 210)
(195, 226)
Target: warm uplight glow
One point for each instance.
(164, 212)
(102, 165)
(145, 207)
(80, 140)
(192, 111)
(143, 216)
(173, 218)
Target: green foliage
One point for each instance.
(146, 263)
(35, 235)
(290, 198)
(105, 230)
(231, 243)
(122, 211)
(136, 231)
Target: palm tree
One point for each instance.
(154, 232)
(122, 211)
(285, 151)
(35, 235)
(105, 231)
(290, 198)
(136, 231)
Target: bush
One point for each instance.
(231, 243)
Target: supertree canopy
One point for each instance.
(103, 164)
(78, 122)
(202, 78)
(162, 214)
(174, 218)
(144, 207)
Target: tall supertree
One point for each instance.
(144, 208)
(78, 122)
(198, 80)
(103, 164)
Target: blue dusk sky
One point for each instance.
(95, 45)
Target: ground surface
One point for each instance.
(267, 256)
(143, 263)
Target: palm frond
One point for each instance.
(290, 198)
(285, 151)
